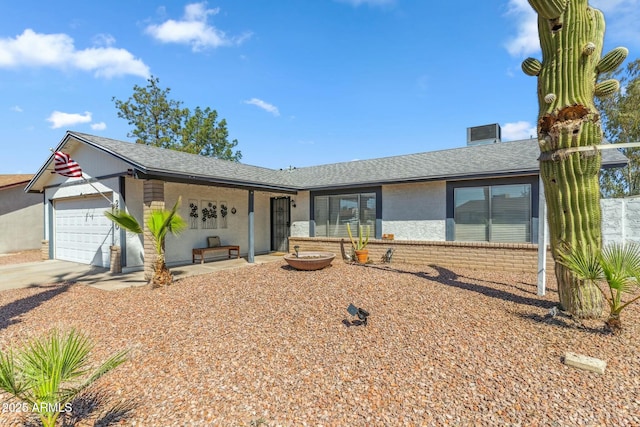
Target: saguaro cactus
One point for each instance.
(571, 37)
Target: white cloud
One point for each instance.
(17, 109)
(104, 40)
(31, 49)
(518, 130)
(357, 3)
(99, 126)
(194, 30)
(59, 119)
(621, 17)
(264, 105)
(526, 42)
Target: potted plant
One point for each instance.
(360, 245)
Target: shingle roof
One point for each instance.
(491, 160)
(7, 181)
(157, 161)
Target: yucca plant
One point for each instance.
(50, 372)
(160, 223)
(617, 265)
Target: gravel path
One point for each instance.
(267, 345)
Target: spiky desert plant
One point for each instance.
(51, 371)
(160, 223)
(362, 240)
(617, 265)
(571, 37)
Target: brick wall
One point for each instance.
(153, 199)
(515, 257)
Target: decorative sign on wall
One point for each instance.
(224, 211)
(209, 214)
(193, 214)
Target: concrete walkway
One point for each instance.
(33, 274)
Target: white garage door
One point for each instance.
(82, 232)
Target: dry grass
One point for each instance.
(267, 343)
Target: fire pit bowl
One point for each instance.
(309, 260)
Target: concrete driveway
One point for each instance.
(41, 273)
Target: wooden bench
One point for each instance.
(213, 245)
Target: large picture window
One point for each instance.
(332, 213)
(493, 213)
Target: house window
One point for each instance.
(333, 212)
(493, 213)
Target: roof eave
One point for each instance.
(208, 180)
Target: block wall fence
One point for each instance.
(513, 257)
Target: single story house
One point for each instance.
(21, 215)
(486, 193)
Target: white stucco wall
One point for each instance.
(21, 220)
(178, 248)
(300, 215)
(621, 220)
(133, 204)
(415, 211)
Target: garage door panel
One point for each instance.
(82, 233)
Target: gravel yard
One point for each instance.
(267, 345)
(19, 257)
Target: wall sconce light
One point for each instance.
(293, 203)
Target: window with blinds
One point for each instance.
(332, 213)
(498, 213)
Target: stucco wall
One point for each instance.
(621, 220)
(178, 249)
(415, 211)
(21, 220)
(133, 204)
(300, 215)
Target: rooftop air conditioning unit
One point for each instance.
(487, 134)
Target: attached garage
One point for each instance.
(81, 231)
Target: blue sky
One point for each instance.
(300, 82)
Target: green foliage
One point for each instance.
(50, 372)
(617, 265)
(160, 223)
(361, 243)
(163, 122)
(621, 122)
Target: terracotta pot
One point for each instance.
(362, 255)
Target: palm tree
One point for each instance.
(618, 265)
(50, 372)
(160, 223)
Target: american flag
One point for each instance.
(66, 166)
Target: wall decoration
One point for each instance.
(223, 214)
(209, 214)
(193, 214)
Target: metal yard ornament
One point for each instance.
(362, 314)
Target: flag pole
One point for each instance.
(111, 203)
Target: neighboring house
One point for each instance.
(486, 191)
(21, 215)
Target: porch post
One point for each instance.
(153, 200)
(251, 252)
(542, 239)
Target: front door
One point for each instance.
(280, 222)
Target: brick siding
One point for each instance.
(514, 257)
